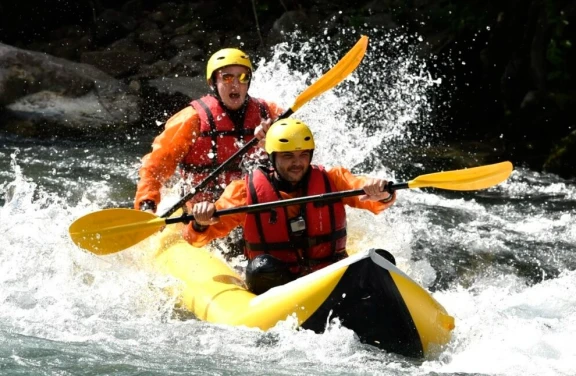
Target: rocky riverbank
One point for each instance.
(78, 68)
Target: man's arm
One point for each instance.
(260, 131)
(344, 180)
(275, 110)
(209, 228)
(168, 149)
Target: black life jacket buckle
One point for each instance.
(273, 217)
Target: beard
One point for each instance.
(292, 174)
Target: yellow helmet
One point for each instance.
(225, 57)
(289, 135)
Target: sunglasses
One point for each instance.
(228, 78)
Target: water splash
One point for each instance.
(369, 119)
(508, 328)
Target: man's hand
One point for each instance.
(376, 191)
(260, 131)
(204, 213)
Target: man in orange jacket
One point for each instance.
(288, 242)
(203, 135)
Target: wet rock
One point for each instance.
(117, 62)
(112, 25)
(289, 22)
(192, 87)
(162, 97)
(46, 95)
(188, 63)
(562, 160)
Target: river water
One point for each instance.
(501, 261)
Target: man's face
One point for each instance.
(292, 165)
(230, 86)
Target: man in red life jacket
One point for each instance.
(288, 242)
(203, 135)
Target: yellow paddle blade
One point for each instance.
(465, 180)
(335, 75)
(112, 230)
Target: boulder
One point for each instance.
(45, 95)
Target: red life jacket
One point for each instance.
(218, 140)
(322, 243)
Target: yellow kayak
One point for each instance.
(366, 292)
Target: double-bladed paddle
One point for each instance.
(112, 230)
(330, 79)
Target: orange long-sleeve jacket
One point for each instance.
(235, 195)
(168, 150)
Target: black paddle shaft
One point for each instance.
(218, 170)
(390, 187)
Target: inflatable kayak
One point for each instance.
(365, 291)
